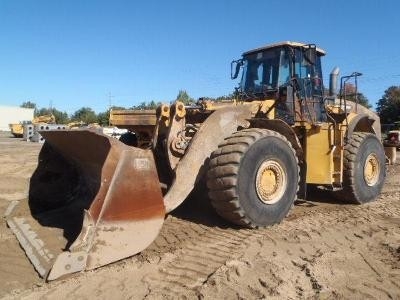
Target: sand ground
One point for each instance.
(323, 250)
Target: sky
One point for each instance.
(73, 54)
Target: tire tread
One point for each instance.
(223, 173)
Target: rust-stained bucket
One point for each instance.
(92, 201)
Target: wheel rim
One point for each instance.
(271, 181)
(371, 169)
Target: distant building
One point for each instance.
(14, 114)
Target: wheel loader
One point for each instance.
(94, 200)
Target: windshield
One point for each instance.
(260, 71)
(266, 71)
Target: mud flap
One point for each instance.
(92, 201)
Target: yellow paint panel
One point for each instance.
(319, 155)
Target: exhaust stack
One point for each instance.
(333, 79)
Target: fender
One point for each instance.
(284, 129)
(360, 123)
(364, 120)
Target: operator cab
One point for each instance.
(277, 70)
(267, 69)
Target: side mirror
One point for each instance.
(310, 54)
(235, 68)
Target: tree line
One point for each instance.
(87, 115)
(388, 107)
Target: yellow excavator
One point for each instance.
(94, 200)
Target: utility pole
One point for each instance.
(109, 106)
(110, 100)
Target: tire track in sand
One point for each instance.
(205, 250)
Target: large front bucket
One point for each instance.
(92, 201)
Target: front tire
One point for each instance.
(253, 178)
(363, 169)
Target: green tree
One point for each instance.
(226, 97)
(184, 97)
(103, 118)
(219, 98)
(61, 117)
(84, 114)
(144, 105)
(29, 104)
(388, 106)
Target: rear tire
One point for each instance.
(253, 178)
(363, 169)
